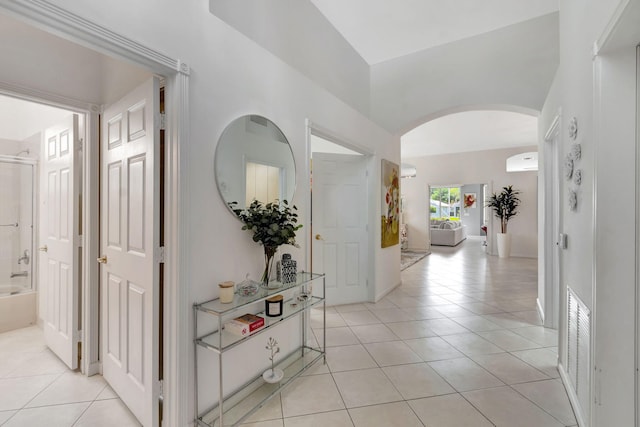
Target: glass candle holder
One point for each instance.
(273, 306)
(226, 292)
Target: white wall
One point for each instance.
(232, 76)
(472, 217)
(300, 35)
(474, 167)
(493, 68)
(599, 263)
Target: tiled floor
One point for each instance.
(458, 344)
(37, 389)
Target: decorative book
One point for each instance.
(244, 325)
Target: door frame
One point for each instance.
(312, 128)
(552, 176)
(54, 19)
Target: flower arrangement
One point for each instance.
(272, 224)
(504, 205)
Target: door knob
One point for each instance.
(102, 259)
(43, 248)
(319, 237)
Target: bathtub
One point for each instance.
(17, 307)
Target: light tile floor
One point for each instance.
(458, 344)
(38, 390)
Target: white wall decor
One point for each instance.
(573, 128)
(568, 167)
(577, 177)
(573, 200)
(576, 151)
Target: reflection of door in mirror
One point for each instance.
(263, 182)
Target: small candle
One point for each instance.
(226, 292)
(273, 306)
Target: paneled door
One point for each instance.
(339, 221)
(59, 239)
(128, 240)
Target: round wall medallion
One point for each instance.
(573, 200)
(568, 167)
(573, 128)
(576, 151)
(577, 176)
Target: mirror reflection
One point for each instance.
(254, 161)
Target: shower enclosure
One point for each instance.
(17, 219)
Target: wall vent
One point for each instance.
(578, 348)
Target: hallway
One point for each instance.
(458, 344)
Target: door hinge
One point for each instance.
(163, 121)
(78, 335)
(160, 255)
(80, 143)
(160, 390)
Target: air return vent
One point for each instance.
(578, 351)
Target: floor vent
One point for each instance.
(578, 351)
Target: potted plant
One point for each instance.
(272, 225)
(505, 206)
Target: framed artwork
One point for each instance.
(390, 224)
(470, 200)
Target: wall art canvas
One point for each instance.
(390, 204)
(470, 200)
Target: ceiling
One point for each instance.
(21, 119)
(380, 30)
(471, 131)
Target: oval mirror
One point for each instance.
(254, 161)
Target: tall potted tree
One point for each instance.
(505, 206)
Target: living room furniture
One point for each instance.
(447, 233)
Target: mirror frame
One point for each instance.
(247, 156)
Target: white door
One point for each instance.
(59, 239)
(339, 221)
(128, 240)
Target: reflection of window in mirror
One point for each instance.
(263, 183)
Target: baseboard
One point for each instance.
(573, 397)
(94, 369)
(540, 310)
(387, 292)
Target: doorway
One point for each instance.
(339, 229)
(549, 290)
(71, 92)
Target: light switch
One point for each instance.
(562, 241)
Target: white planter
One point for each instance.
(504, 245)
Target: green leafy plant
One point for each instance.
(272, 225)
(505, 205)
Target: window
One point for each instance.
(444, 203)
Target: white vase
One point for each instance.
(504, 245)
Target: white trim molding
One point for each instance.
(52, 18)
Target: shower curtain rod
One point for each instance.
(15, 224)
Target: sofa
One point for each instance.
(447, 233)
